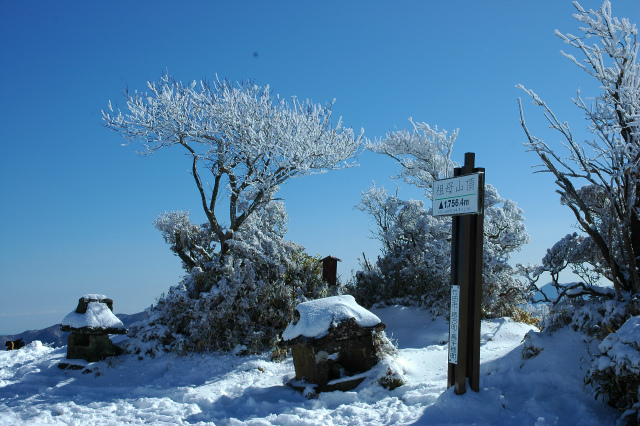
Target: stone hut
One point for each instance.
(90, 325)
(331, 341)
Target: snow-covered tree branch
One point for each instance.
(424, 153)
(599, 179)
(247, 140)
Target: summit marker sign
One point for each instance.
(458, 195)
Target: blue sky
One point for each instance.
(76, 207)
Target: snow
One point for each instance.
(98, 315)
(93, 296)
(622, 347)
(317, 316)
(223, 389)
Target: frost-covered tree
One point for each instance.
(598, 178)
(415, 262)
(244, 139)
(243, 278)
(414, 250)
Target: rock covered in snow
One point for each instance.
(314, 318)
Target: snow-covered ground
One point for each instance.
(229, 390)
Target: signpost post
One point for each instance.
(463, 198)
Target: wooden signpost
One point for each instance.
(463, 198)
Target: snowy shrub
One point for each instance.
(592, 316)
(531, 345)
(384, 346)
(415, 264)
(579, 255)
(615, 371)
(244, 302)
(408, 269)
(526, 316)
(392, 377)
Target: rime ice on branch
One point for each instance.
(598, 179)
(246, 139)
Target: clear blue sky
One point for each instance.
(76, 208)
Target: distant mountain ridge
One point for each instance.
(52, 335)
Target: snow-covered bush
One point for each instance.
(525, 315)
(531, 345)
(591, 315)
(412, 247)
(415, 264)
(585, 305)
(392, 376)
(615, 371)
(578, 254)
(242, 304)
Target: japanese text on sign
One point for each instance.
(454, 321)
(458, 195)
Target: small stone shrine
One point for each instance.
(331, 341)
(90, 325)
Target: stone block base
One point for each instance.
(90, 347)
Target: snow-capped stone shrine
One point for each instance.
(90, 325)
(331, 341)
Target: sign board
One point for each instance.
(454, 321)
(458, 195)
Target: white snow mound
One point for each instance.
(98, 316)
(317, 316)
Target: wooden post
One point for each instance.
(475, 292)
(455, 232)
(466, 272)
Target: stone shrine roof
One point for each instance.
(314, 318)
(98, 316)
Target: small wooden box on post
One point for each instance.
(463, 198)
(330, 270)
